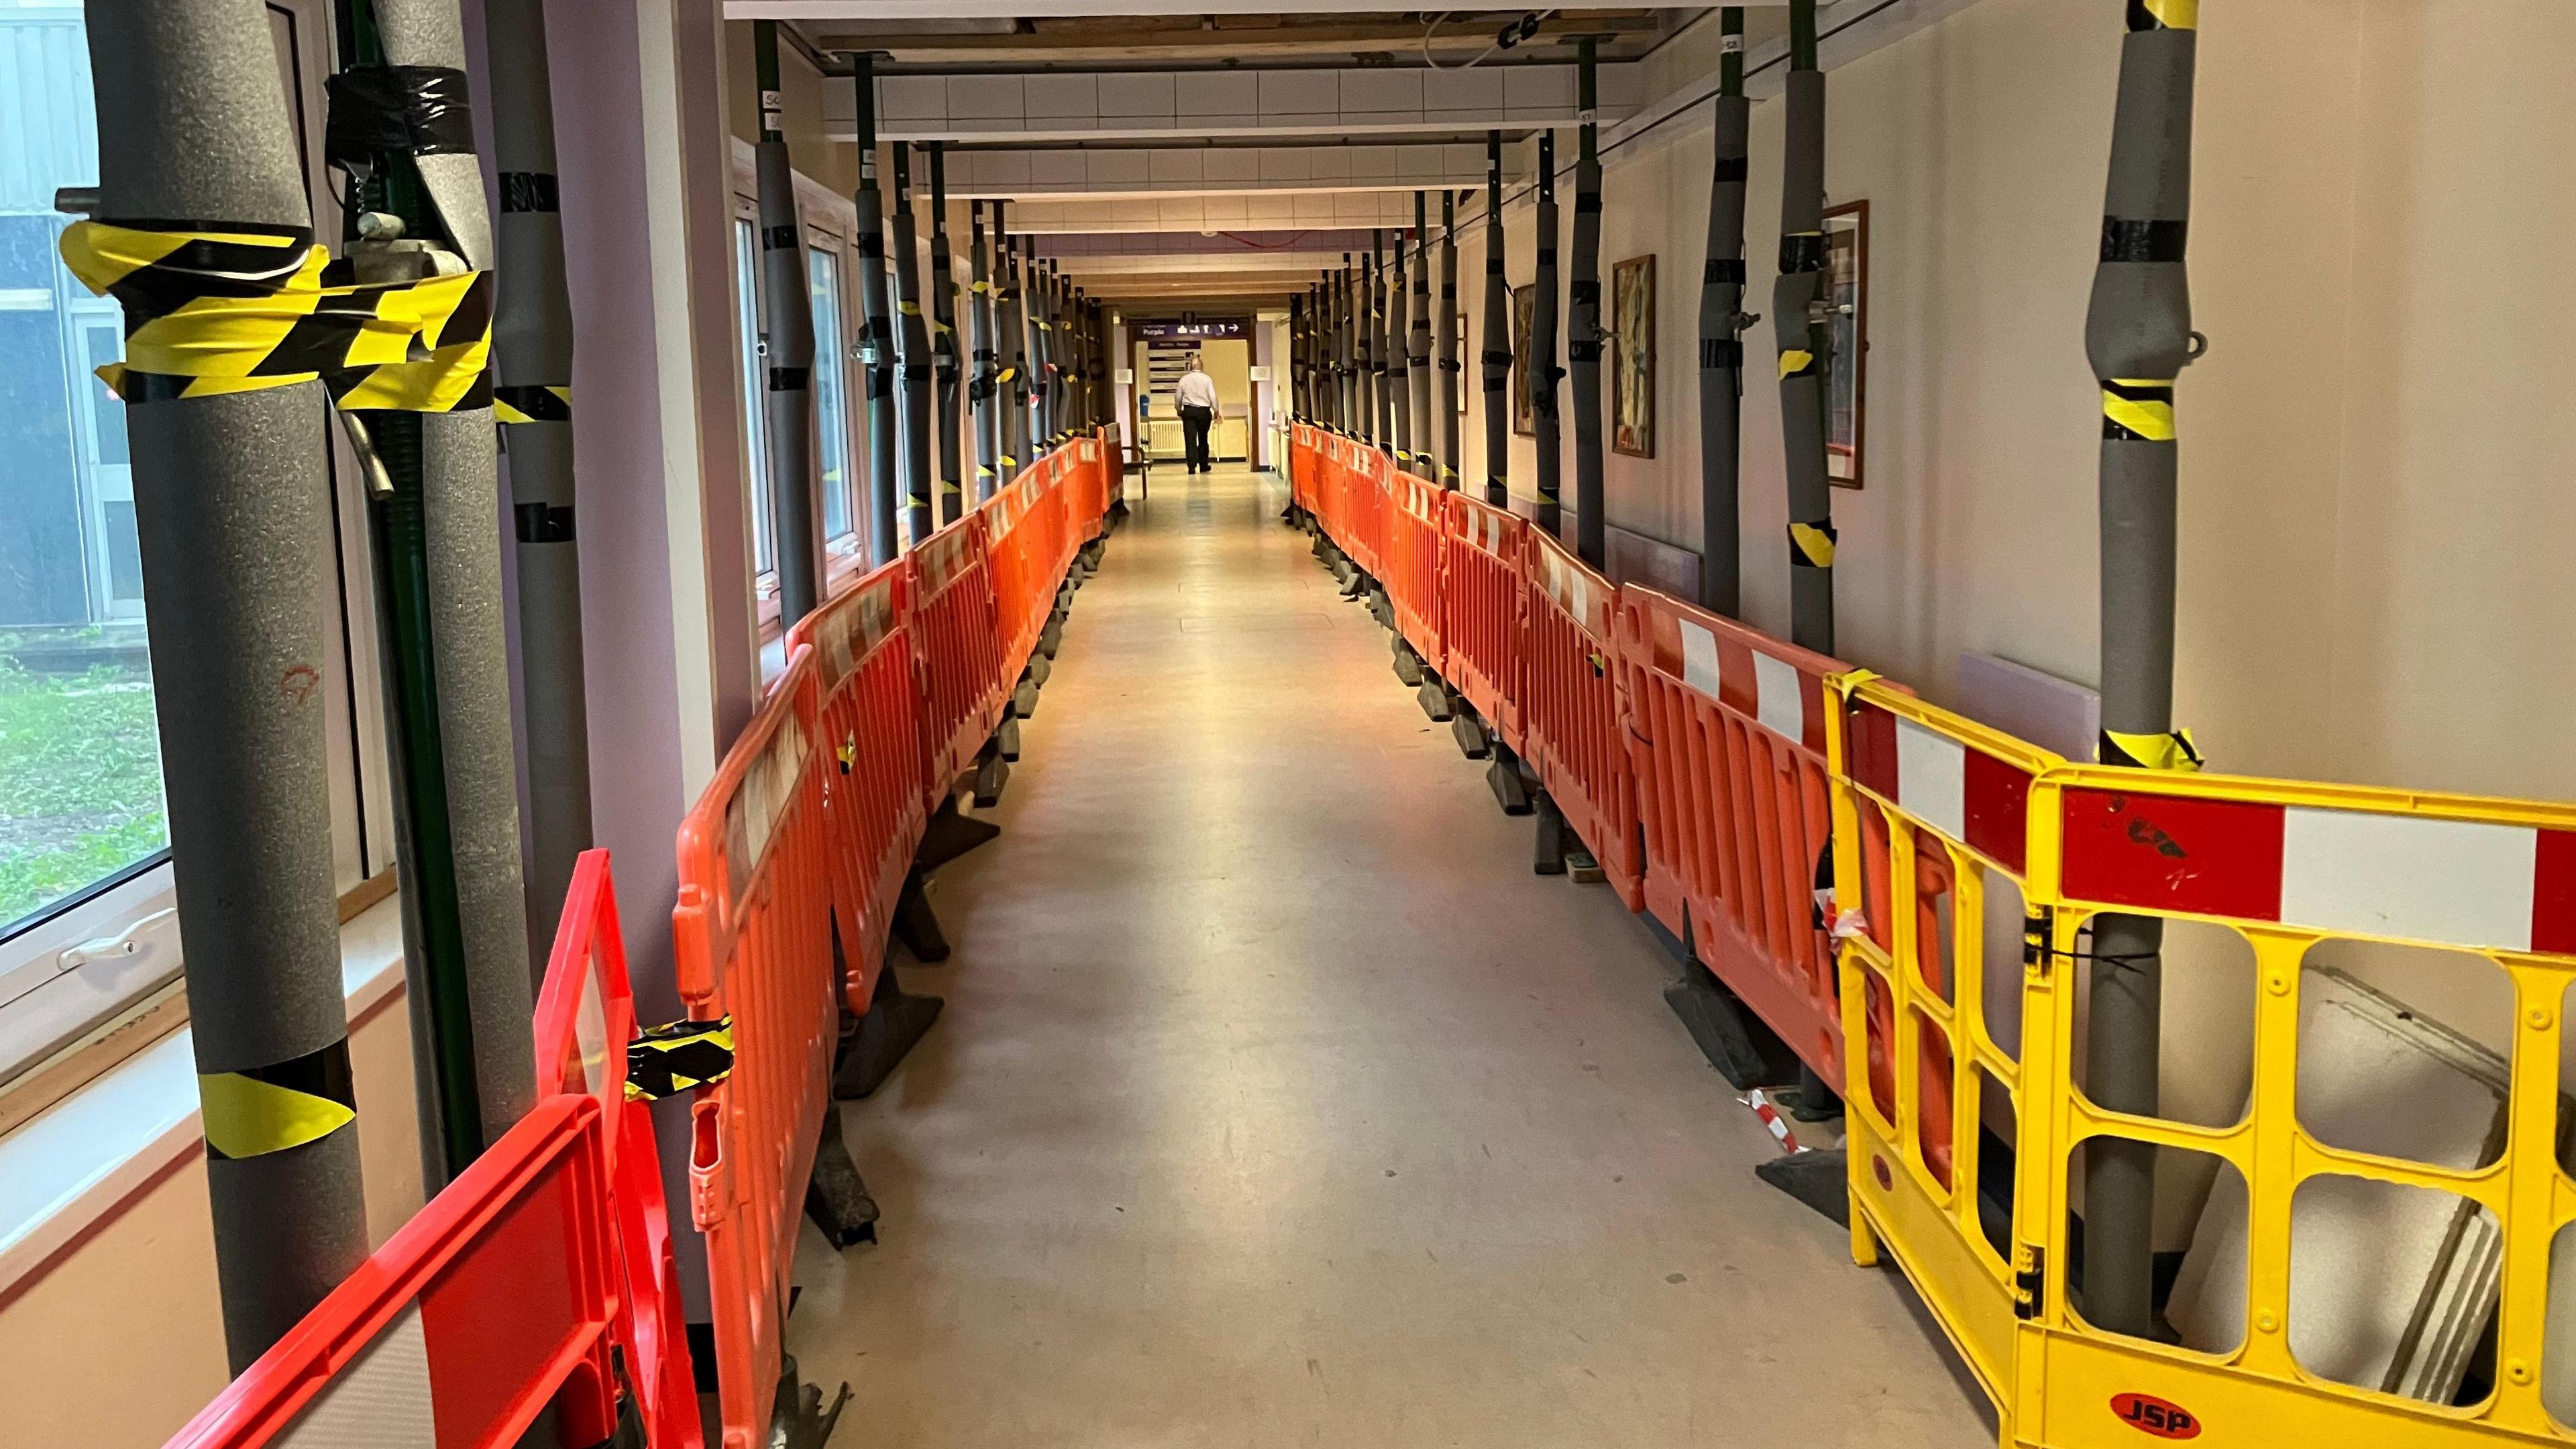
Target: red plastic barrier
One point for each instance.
(1014, 551)
(585, 1019)
(1572, 713)
(1301, 466)
(1484, 596)
(1727, 732)
(509, 1290)
(751, 937)
(1416, 520)
(959, 640)
(500, 1297)
(874, 793)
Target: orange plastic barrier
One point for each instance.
(1571, 710)
(499, 1298)
(1415, 521)
(1015, 551)
(959, 641)
(1482, 606)
(1727, 729)
(874, 795)
(528, 1282)
(585, 1021)
(751, 937)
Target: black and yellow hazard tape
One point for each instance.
(219, 310)
(2174, 751)
(1811, 545)
(664, 1061)
(2164, 14)
(2136, 410)
(532, 404)
(269, 1109)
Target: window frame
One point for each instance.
(831, 223)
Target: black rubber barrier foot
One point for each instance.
(896, 1020)
(1007, 735)
(1041, 669)
(1821, 1180)
(1736, 1042)
(916, 925)
(1503, 777)
(1408, 665)
(1469, 732)
(799, 1420)
(950, 834)
(836, 1198)
(992, 772)
(1383, 608)
(1024, 700)
(1355, 585)
(1051, 638)
(1549, 856)
(1434, 699)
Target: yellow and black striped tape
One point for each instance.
(2175, 751)
(226, 310)
(664, 1061)
(1811, 545)
(2136, 410)
(272, 1108)
(2164, 14)
(532, 404)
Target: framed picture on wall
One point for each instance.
(1632, 357)
(1847, 392)
(1524, 317)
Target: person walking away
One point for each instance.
(1195, 395)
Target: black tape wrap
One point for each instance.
(413, 110)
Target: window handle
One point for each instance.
(129, 942)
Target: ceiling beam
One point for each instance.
(849, 13)
(1244, 41)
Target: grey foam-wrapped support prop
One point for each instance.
(233, 515)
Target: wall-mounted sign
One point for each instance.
(1192, 330)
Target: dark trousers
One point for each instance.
(1195, 423)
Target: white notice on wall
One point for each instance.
(1260, 374)
(1126, 377)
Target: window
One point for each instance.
(755, 393)
(83, 835)
(831, 395)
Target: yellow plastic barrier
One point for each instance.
(1928, 805)
(1931, 817)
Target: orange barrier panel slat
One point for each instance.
(751, 937)
(1727, 732)
(958, 638)
(1484, 601)
(1416, 519)
(874, 800)
(1571, 709)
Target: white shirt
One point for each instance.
(1195, 390)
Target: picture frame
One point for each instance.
(1847, 389)
(1524, 319)
(1632, 357)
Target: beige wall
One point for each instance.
(833, 163)
(118, 1339)
(2376, 502)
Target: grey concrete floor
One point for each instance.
(1278, 1103)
